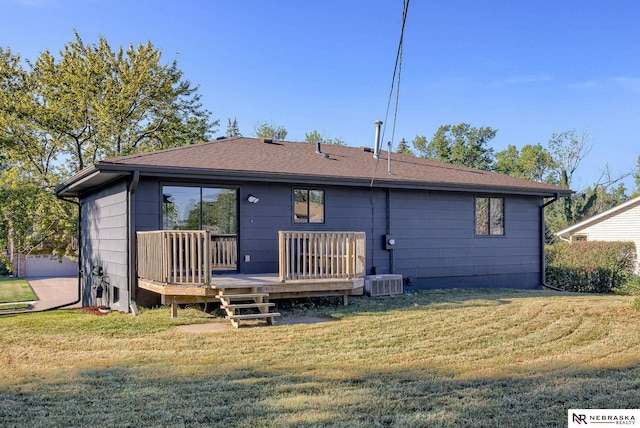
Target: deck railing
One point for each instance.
(224, 251)
(184, 257)
(315, 255)
(190, 257)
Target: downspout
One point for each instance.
(543, 264)
(131, 246)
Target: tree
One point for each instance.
(636, 177)
(232, 128)
(403, 148)
(61, 113)
(313, 137)
(270, 131)
(459, 144)
(568, 150)
(316, 137)
(532, 162)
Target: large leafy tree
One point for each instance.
(460, 144)
(60, 113)
(532, 162)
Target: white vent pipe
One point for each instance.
(376, 146)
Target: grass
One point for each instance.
(481, 358)
(13, 290)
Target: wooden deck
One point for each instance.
(269, 283)
(181, 267)
(237, 293)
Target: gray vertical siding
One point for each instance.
(104, 242)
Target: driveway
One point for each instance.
(54, 292)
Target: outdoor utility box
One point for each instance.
(383, 285)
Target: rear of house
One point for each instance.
(437, 225)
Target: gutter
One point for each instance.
(278, 177)
(543, 266)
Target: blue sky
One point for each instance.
(527, 69)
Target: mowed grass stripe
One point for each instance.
(433, 358)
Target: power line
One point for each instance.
(397, 70)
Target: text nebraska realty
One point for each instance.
(610, 419)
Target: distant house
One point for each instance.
(304, 213)
(39, 262)
(620, 223)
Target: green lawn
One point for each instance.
(471, 358)
(15, 290)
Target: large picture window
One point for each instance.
(199, 208)
(489, 216)
(308, 206)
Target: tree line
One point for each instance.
(555, 163)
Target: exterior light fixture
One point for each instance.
(253, 199)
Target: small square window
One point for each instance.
(489, 216)
(308, 206)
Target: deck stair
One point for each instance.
(246, 303)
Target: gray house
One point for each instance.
(174, 225)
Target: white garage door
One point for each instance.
(39, 266)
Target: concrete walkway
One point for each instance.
(54, 292)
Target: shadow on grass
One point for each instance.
(259, 397)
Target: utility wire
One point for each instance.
(397, 70)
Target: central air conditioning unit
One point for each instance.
(383, 285)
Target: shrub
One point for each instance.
(590, 266)
(629, 288)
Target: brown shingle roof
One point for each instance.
(252, 158)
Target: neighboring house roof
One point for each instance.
(252, 159)
(598, 218)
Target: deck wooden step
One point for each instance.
(248, 305)
(253, 316)
(241, 296)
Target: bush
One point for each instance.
(629, 288)
(590, 266)
(4, 270)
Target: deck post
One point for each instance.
(207, 258)
(174, 309)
